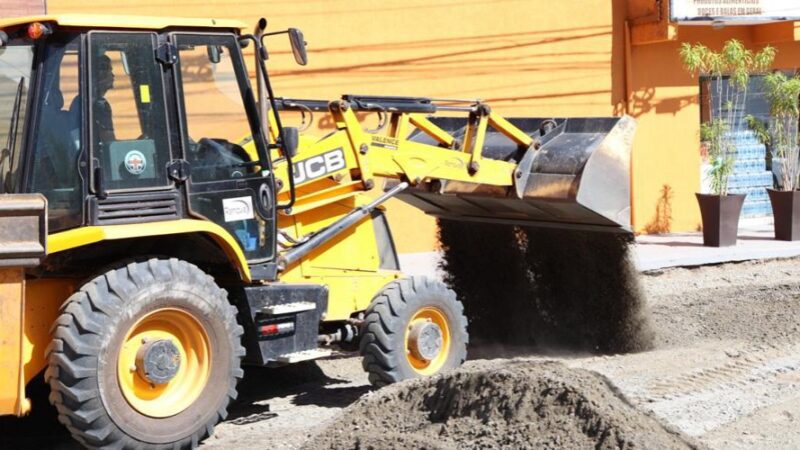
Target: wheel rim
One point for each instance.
(427, 316)
(177, 335)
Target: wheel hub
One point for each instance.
(158, 361)
(425, 340)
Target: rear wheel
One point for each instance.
(414, 327)
(145, 356)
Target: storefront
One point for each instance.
(526, 58)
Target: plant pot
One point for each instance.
(786, 214)
(720, 215)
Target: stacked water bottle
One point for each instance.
(750, 175)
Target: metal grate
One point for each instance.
(136, 208)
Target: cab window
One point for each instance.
(217, 124)
(57, 147)
(127, 112)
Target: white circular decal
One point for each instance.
(135, 162)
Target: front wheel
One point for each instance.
(414, 327)
(145, 356)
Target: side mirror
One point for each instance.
(291, 140)
(214, 52)
(298, 46)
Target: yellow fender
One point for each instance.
(80, 237)
(25, 326)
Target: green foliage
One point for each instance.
(729, 70)
(721, 153)
(759, 128)
(783, 93)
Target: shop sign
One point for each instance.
(734, 11)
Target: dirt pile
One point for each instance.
(498, 404)
(546, 287)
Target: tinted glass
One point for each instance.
(216, 119)
(16, 62)
(57, 138)
(128, 116)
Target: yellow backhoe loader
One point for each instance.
(159, 227)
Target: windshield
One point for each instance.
(16, 62)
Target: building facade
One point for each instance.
(533, 58)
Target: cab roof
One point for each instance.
(90, 21)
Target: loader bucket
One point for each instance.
(579, 177)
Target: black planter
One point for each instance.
(786, 212)
(720, 215)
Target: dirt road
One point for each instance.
(725, 370)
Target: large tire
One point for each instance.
(386, 346)
(109, 321)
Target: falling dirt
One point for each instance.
(546, 288)
(508, 404)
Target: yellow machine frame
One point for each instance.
(348, 264)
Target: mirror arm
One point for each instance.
(263, 154)
(261, 25)
(289, 167)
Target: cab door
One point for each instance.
(129, 138)
(227, 183)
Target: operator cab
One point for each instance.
(119, 126)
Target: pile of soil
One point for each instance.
(501, 403)
(546, 288)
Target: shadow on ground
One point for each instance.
(40, 429)
(306, 381)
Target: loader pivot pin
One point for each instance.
(425, 340)
(158, 361)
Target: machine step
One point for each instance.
(288, 308)
(305, 355)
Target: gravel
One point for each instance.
(510, 404)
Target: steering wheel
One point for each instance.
(219, 159)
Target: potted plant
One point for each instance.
(728, 72)
(783, 93)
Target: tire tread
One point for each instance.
(77, 340)
(384, 320)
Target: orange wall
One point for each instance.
(526, 57)
(664, 99)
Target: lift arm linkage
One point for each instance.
(359, 156)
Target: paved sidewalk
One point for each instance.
(756, 241)
(652, 252)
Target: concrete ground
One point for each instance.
(755, 241)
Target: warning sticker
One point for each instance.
(144, 93)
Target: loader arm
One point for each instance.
(351, 150)
(563, 173)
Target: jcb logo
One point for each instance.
(319, 166)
